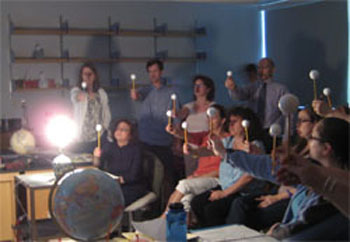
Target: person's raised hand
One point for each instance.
(216, 146)
(133, 94)
(320, 107)
(97, 152)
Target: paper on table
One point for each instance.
(155, 228)
(232, 233)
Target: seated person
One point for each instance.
(261, 210)
(212, 206)
(205, 176)
(329, 144)
(122, 158)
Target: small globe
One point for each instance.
(87, 204)
(22, 142)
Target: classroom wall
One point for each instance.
(232, 40)
(309, 37)
(299, 38)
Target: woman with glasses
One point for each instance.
(211, 207)
(90, 103)
(261, 210)
(328, 144)
(122, 158)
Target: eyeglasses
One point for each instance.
(123, 130)
(199, 85)
(232, 122)
(318, 139)
(303, 121)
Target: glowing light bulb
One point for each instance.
(61, 130)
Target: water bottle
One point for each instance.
(176, 227)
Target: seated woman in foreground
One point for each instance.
(122, 158)
(259, 210)
(328, 145)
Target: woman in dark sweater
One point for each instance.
(122, 158)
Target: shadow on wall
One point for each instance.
(309, 53)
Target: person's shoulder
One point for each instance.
(189, 105)
(75, 89)
(102, 91)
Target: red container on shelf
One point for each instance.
(30, 83)
(51, 83)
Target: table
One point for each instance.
(27, 193)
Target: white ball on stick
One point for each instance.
(314, 74)
(288, 104)
(245, 123)
(211, 112)
(275, 130)
(327, 91)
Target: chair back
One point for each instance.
(153, 171)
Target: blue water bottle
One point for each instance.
(176, 227)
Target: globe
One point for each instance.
(87, 204)
(22, 142)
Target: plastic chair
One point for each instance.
(153, 172)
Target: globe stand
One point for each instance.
(62, 164)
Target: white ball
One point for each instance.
(184, 125)
(133, 77)
(314, 74)
(211, 112)
(168, 113)
(98, 127)
(22, 142)
(229, 73)
(173, 96)
(245, 123)
(288, 103)
(275, 130)
(83, 85)
(327, 91)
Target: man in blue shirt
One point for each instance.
(152, 119)
(263, 96)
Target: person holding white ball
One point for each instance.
(263, 95)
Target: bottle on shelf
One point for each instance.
(38, 51)
(176, 227)
(42, 80)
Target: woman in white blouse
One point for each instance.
(90, 103)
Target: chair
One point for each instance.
(153, 172)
